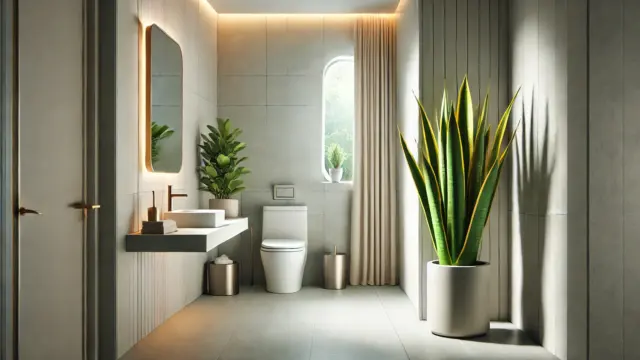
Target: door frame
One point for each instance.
(100, 26)
(105, 47)
(8, 185)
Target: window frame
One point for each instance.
(330, 63)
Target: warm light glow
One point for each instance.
(142, 95)
(384, 15)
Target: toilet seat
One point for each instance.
(283, 245)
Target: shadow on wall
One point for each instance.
(534, 162)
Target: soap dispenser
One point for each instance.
(152, 212)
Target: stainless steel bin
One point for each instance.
(223, 279)
(335, 271)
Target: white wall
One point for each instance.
(409, 211)
(270, 84)
(549, 189)
(152, 287)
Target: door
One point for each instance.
(51, 136)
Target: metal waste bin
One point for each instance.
(223, 279)
(335, 271)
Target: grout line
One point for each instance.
(313, 331)
(392, 324)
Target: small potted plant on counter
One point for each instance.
(336, 157)
(456, 174)
(221, 173)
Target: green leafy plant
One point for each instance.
(336, 155)
(158, 133)
(457, 175)
(221, 172)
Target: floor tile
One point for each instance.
(356, 323)
(356, 341)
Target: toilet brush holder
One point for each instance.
(335, 270)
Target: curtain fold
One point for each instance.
(373, 229)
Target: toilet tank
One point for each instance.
(284, 222)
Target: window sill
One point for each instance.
(340, 186)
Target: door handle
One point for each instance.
(83, 206)
(24, 211)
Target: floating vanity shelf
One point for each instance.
(187, 240)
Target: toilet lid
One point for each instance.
(283, 244)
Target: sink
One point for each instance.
(196, 218)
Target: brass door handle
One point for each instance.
(24, 211)
(83, 206)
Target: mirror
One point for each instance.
(163, 102)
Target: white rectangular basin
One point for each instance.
(196, 218)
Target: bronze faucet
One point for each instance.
(172, 195)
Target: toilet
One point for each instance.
(284, 247)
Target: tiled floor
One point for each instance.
(367, 323)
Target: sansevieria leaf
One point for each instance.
(441, 172)
(495, 149)
(464, 115)
(456, 182)
(479, 217)
(429, 139)
(430, 198)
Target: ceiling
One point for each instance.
(303, 6)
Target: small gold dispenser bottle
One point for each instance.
(152, 212)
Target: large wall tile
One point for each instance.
(338, 37)
(606, 179)
(337, 221)
(253, 122)
(297, 158)
(242, 45)
(295, 90)
(313, 272)
(290, 32)
(242, 90)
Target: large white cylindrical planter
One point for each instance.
(231, 207)
(458, 299)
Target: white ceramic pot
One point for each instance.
(231, 207)
(336, 174)
(458, 299)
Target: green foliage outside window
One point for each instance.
(339, 111)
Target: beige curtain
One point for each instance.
(373, 229)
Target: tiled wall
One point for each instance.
(152, 287)
(409, 216)
(549, 177)
(270, 71)
(614, 179)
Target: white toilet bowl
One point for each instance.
(283, 261)
(284, 247)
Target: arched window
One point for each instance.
(339, 112)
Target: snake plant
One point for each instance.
(457, 174)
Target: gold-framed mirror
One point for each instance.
(163, 101)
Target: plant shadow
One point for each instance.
(534, 166)
(503, 336)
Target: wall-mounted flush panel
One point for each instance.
(284, 192)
